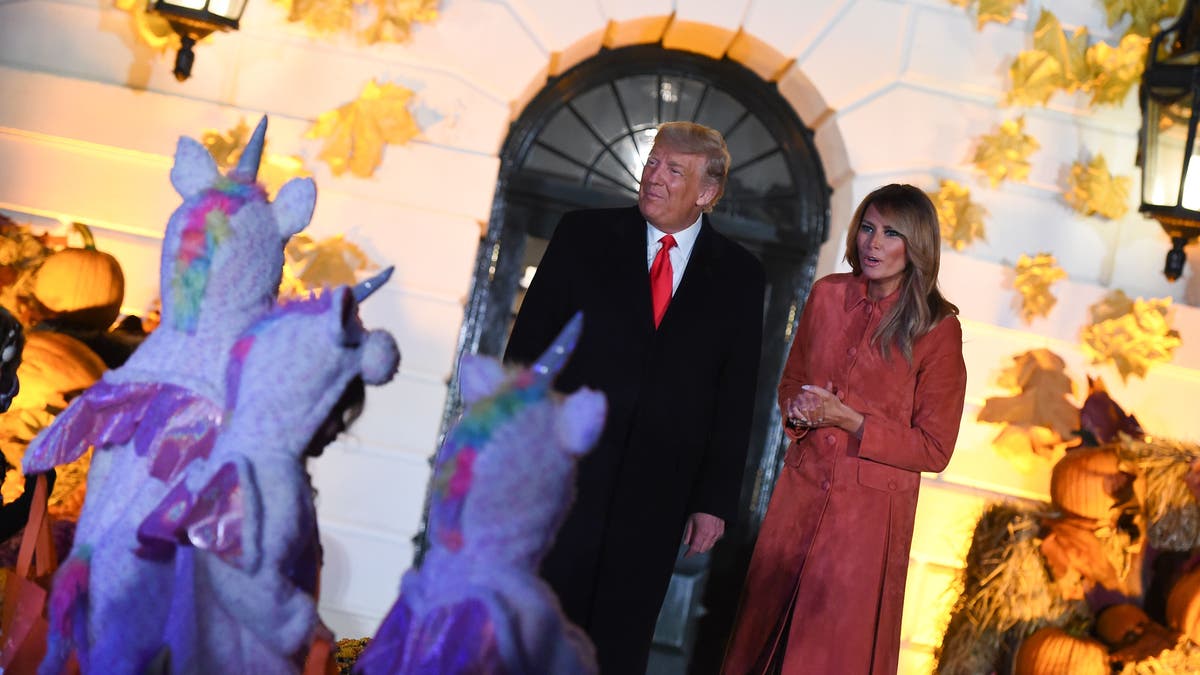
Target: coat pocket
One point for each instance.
(794, 454)
(886, 478)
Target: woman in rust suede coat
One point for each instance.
(872, 395)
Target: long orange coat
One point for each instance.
(833, 549)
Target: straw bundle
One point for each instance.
(1170, 506)
(1184, 658)
(1007, 592)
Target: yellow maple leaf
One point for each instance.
(960, 218)
(1132, 340)
(998, 11)
(1145, 15)
(394, 19)
(1035, 76)
(1069, 51)
(1114, 304)
(1057, 61)
(356, 132)
(388, 20)
(1024, 446)
(1038, 418)
(311, 265)
(226, 146)
(273, 170)
(1092, 190)
(1005, 154)
(1033, 279)
(1039, 376)
(1116, 69)
(151, 27)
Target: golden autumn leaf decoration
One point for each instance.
(1131, 334)
(1005, 154)
(1062, 62)
(1039, 418)
(310, 265)
(356, 132)
(961, 219)
(1092, 190)
(273, 171)
(389, 20)
(998, 11)
(150, 27)
(1116, 70)
(1145, 15)
(1034, 276)
(1057, 61)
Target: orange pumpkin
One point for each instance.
(1053, 651)
(1183, 605)
(1121, 624)
(1088, 483)
(81, 286)
(54, 366)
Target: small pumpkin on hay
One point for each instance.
(81, 286)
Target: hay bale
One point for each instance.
(1169, 505)
(1007, 592)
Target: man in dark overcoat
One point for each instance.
(672, 328)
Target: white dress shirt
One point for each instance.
(685, 240)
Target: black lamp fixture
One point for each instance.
(193, 20)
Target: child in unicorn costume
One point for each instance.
(176, 427)
(501, 486)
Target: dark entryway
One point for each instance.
(580, 144)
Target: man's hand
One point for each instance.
(701, 532)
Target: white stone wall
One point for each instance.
(894, 90)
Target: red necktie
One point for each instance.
(660, 279)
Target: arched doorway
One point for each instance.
(581, 143)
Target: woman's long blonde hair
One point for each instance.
(921, 305)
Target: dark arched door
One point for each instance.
(581, 143)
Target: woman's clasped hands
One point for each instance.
(822, 407)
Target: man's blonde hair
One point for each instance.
(696, 139)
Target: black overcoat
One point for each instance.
(680, 401)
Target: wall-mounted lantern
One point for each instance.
(1170, 100)
(194, 20)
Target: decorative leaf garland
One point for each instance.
(1033, 280)
(961, 219)
(1131, 334)
(356, 132)
(1092, 190)
(1005, 154)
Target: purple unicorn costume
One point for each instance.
(241, 524)
(501, 486)
(151, 418)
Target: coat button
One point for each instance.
(825, 485)
(891, 485)
(852, 351)
(830, 440)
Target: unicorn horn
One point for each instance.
(552, 360)
(364, 288)
(247, 167)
